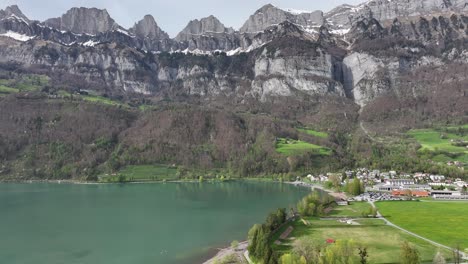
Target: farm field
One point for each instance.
(383, 242)
(294, 147)
(443, 222)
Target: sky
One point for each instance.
(171, 15)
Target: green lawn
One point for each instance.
(313, 132)
(383, 242)
(443, 222)
(355, 209)
(297, 147)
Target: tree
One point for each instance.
(409, 254)
(456, 254)
(307, 248)
(355, 187)
(439, 259)
(253, 241)
(363, 255)
(292, 259)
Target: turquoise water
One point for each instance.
(134, 223)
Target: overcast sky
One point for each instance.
(171, 15)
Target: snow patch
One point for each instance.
(340, 31)
(125, 32)
(13, 16)
(90, 43)
(296, 12)
(17, 36)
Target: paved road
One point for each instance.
(464, 256)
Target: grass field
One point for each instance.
(355, 209)
(432, 140)
(313, 132)
(25, 83)
(102, 100)
(383, 242)
(297, 147)
(443, 222)
(7, 90)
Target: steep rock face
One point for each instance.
(303, 68)
(84, 20)
(270, 15)
(13, 12)
(345, 16)
(148, 28)
(203, 26)
(207, 34)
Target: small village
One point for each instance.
(393, 185)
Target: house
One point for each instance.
(437, 178)
(342, 203)
(399, 182)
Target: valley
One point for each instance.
(129, 144)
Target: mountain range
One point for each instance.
(382, 66)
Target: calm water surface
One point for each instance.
(131, 224)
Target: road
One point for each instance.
(380, 216)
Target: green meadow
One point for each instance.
(297, 147)
(383, 242)
(440, 142)
(354, 209)
(313, 132)
(443, 222)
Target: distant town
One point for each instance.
(393, 185)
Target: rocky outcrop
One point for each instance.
(12, 12)
(207, 25)
(83, 20)
(346, 16)
(207, 34)
(148, 28)
(270, 15)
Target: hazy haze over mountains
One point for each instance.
(172, 16)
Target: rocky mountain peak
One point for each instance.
(84, 20)
(271, 15)
(207, 25)
(345, 16)
(13, 11)
(148, 28)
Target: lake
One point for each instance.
(133, 223)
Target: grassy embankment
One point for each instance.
(296, 147)
(382, 242)
(312, 132)
(443, 222)
(27, 83)
(440, 143)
